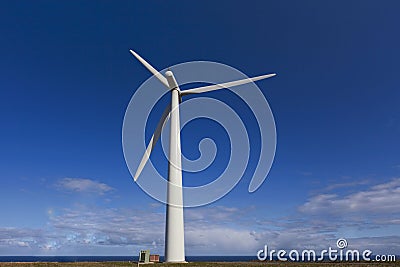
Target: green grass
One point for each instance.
(202, 264)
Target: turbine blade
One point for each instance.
(153, 141)
(151, 69)
(225, 85)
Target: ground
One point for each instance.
(200, 264)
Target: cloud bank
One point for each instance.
(368, 219)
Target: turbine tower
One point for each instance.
(174, 229)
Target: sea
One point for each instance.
(118, 258)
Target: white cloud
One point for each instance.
(90, 230)
(222, 230)
(83, 185)
(347, 185)
(19, 239)
(378, 199)
(391, 244)
(217, 240)
(215, 213)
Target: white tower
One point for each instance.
(174, 229)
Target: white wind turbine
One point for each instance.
(174, 230)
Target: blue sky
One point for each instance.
(67, 77)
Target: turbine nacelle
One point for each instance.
(171, 80)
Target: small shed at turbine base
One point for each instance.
(154, 258)
(146, 257)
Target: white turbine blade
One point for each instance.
(153, 141)
(151, 69)
(225, 85)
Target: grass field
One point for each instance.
(201, 264)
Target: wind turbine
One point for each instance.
(174, 230)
